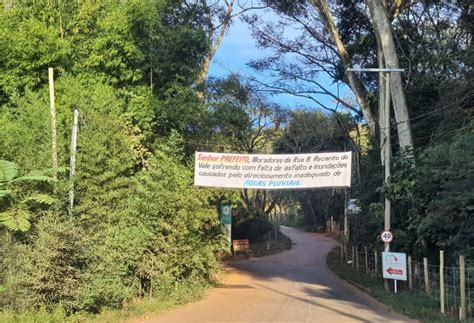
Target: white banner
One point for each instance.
(273, 171)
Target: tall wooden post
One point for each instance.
(72, 162)
(54, 150)
(366, 260)
(357, 258)
(376, 263)
(410, 273)
(342, 253)
(441, 281)
(346, 221)
(353, 259)
(427, 278)
(462, 287)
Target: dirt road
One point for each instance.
(293, 286)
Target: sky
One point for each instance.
(238, 48)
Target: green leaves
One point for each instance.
(34, 178)
(43, 199)
(8, 171)
(16, 219)
(16, 215)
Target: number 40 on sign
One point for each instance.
(386, 236)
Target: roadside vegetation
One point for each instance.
(139, 235)
(412, 304)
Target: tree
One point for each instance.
(218, 19)
(297, 64)
(382, 28)
(239, 119)
(129, 68)
(310, 132)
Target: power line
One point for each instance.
(433, 111)
(437, 134)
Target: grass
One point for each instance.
(137, 308)
(412, 304)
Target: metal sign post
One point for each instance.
(226, 221)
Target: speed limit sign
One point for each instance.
(386, 236)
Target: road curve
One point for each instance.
(293, 286)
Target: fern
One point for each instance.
(16, 219)
(40, 199)
(34, 178)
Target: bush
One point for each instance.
(43, 269)
(253, 228)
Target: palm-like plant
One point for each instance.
(15, 203)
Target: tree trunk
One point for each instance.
(213, 45)
(356, 84)
(382, 27)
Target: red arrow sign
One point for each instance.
(393, 271)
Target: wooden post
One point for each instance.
(357, 259)
(427, 279)
(72, 166)
(342, 254)
(410, 273)
(376, 262)
(441, 280)
(54, 150)
(346, 223)
(462, 287)
(344, 251)
(366, 261)
(276, 231)
(353, 259)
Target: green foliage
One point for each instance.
(138, 226)
(15, 219)
(310, 132)
(44, 269)
(15, 203)
(416, 305)
(238, 117)
(441, 214)
(158, 44)
(165, 234)
(29, 48)
(431, 202)
(8, 171)
(253, 228)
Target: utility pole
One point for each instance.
(385, 144)
(387, 148)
